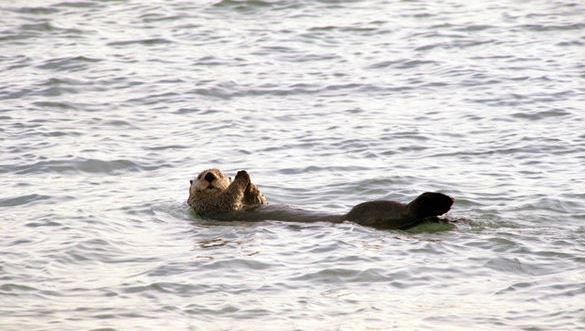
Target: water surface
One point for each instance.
(108, 108)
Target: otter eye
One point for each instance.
(191, 182)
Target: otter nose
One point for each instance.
(209, 177)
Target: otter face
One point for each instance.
(208, 183)
(431, 204)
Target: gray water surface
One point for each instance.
(108, 108)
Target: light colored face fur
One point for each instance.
(209, 183)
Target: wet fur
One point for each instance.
(225, 195)
(240, 200)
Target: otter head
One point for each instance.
(209, 183)
(430, 204)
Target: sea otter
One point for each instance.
(213, 194)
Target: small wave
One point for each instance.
(194, 110)
(77, 4)
(246, 4)
(342, 275)
(223, 309)
(34, 29)
(119, 123)
(163, 287)
(570, 43)
(551, 27)
(161, 18)
(36, 10)
(80, 165)
(313, 169)
(515, 100)
(68, 63)
(42, 223)
(402, 64)
(553, 113)
(517, 266)
(10, 288)
(68, 80)
(22, 200)
(562, 206)
(53, 104)
(474, 28)
(237, 263)
(457, 44)
(146, 42)
(223, 91)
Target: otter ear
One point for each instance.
(230, 179)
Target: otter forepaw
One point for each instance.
(243, 175)
(253, 197)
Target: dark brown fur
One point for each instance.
(241, 199)
(240, 194)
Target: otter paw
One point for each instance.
(251, 191)
(253, 197)
(243, 175)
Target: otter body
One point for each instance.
(386, 214)
(216, 196)
(212, 192)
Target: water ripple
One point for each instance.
(108, 108)
(75, 63)
(112, 167)
(22, 200)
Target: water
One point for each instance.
(108, 108)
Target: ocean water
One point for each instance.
(108, 108)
